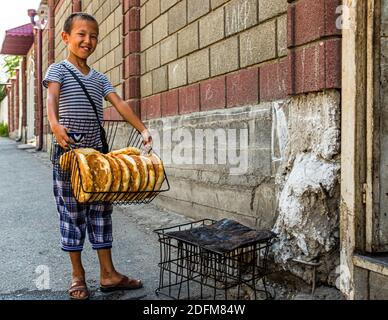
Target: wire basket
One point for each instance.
(119, 135)
(212, 268)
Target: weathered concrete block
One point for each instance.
(177, 17)
(308, 139)
(378, 286)
(188, 39)
(177, 75)
(217, 3)
(152, 10)
(269, 9)
(224, 56)
(153, 57)
(146, 38)
(160, 28)
(314, 124)
(159, 80)
(211, 27)
(197, 8)
(282, 36)
(142, 17)
(264, 204)
(143, 63)
(240, 15)
(258, 44)
(146, 84)
(198, 66)
(167, 4)
(169, 49)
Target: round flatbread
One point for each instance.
(101, 173)
(135, 181)
(151, 177)
(81, 178)
(127, 151)
(142, 167)
(159, 171)
(125, 178)
(65, 160)
(86, 151)
(116, 176)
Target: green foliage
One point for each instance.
(10, 64)
(3, 130)
(2, 92)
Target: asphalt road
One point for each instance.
(32, 265)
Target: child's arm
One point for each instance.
(127, 113)
(52, 114)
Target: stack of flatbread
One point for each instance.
(121, 175)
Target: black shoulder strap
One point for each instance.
(86, 92)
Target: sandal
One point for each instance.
(124, 284)
(78, 285)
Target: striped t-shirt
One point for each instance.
(73, 102)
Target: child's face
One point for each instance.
(83, 38)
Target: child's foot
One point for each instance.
(117, 281)
(78, 289)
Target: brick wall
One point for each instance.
(189, 42)
(294, 47)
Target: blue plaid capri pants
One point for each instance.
(76, 219)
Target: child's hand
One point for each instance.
(61, 136)
(147, 140)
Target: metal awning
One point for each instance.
(18, 41)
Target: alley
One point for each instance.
(29, 235)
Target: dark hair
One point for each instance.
(77, 15)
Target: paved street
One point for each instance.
(29, 235)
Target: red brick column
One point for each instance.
(76, 6)
(24, 92)
(51, 32)
(12, 116)
(36, 84)
(131, 55)
(17, 99)
(9, 92)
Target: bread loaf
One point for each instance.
(159, 171)
(125, 178)
(127, 151)
(142, 167)
(116, 176)
(151, 177)
(81, 178)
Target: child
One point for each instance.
(66, 99)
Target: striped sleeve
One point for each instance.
(107, 86)
(53, 74)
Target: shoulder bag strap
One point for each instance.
(102, 131)
(86, 92)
